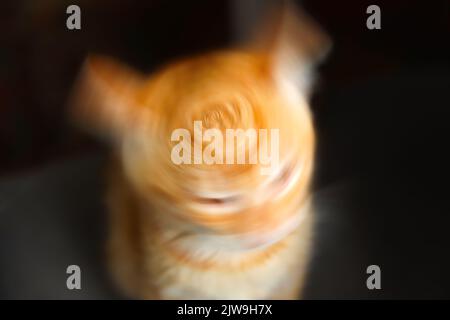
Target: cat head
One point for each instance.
(190, 104)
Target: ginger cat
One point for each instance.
(209, 231)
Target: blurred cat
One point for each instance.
(209, 231)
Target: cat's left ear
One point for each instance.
(104, 100)
(295, 45)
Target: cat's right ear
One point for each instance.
(294, 43)
(104, 99)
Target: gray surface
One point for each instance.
(51, 219)
(55, 217)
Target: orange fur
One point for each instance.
(166, 238)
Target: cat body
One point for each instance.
(209, 230)
(154, 259)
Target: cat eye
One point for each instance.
(284, 175)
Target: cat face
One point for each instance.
(256, 89)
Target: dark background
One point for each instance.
(40, 57)
(380, 107)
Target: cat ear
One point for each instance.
(104, 99)
(295, 45)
